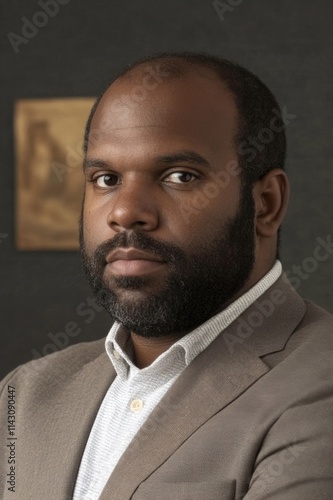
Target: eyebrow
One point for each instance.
(186, 156)
(93, 164)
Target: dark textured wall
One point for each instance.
(288, 43)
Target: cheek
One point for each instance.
(199, 220)
(95, 228)
(211, 202)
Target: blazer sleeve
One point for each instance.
(296, 457)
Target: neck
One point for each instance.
(146, 350)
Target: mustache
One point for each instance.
(139, 240)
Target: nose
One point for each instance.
(133, 207)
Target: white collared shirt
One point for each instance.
(135, 392)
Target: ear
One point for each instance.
(271, 195)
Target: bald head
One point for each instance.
(256, 106)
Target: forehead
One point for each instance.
(197, 107)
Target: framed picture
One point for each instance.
(49, 180)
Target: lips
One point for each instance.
(133, 262)
(130, 254)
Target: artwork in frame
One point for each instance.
(49, 180)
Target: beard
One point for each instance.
(198, 285)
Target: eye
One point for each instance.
(106, 180)
(181, 177)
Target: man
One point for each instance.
(216, 378)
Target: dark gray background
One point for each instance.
(287, 43)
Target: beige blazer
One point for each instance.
(251, 417)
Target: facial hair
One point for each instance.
(199, 282)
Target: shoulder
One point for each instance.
(312, 333)
(316, 327)
(301, 373)
(318, 315)
(57, 366)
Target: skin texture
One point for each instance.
(194, 113)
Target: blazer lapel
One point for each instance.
(213, 380)
(71, 422)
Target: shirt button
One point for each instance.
(116, 354)
(136, 405)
